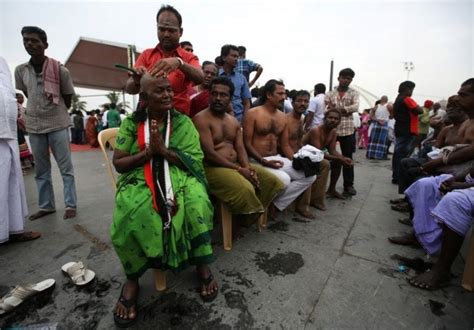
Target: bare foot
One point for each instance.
(321, 207)
(40, 214)
(126, 309)
(209, 288)
(408, 240)
(431, 280)
(305, 214)
(69, 213)
(334, 194)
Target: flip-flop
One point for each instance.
(40, 214)
(78, 272)
(206, 282)
(20, 293)
(127, 303)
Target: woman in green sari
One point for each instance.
(163, 216)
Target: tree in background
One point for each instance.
(77, 104)
(115, 97)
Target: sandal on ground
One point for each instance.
(21, 293)
(128, 304)
(40, 214)
(23, 237)
(206, 282)
(78, 272)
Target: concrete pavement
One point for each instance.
(332, 272)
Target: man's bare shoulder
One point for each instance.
(202, 116)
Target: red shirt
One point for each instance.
(179, 83)
(412, 106)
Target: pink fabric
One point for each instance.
(51, 79)
(364, 132)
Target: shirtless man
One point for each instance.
(462, 156)
(324, 137)
(265, 131)
(245, 189)
(294, 121)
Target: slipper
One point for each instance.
(78, 272)
(206, 282)
(127, 303)
(23, 237)
(40, 214)
(20, 293)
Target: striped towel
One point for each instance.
(51, 79)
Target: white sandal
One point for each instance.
(20, 293)
(78, 272)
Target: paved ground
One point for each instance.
(333, 272)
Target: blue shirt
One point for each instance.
(241, 92)
(245, 66)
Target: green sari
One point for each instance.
(137, 231)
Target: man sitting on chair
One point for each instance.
(246, 190)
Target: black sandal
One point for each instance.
(206, 282)
(127, 303)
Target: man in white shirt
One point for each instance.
(316, 107)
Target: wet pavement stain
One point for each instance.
(240, 279)
(173, 311)
(436, 307)
(278, 226)
(280, 264)
(71, 247)
(236, 299)
(417, 264)
(387, 272)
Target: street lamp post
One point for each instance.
(409, 66)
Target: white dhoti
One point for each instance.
(13, 207)
(295, 182)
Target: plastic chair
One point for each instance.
(108, 136)
(226, 218)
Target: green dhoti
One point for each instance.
(240, 196)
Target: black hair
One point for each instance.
(406, 85)
(113, 105)
(223, 81)
(225, 50)
(34, 29)
(469, 82)
(347, 72)
(242, 50)
(255, 92)
(185, 43)
(270, 87)
(301, 92)
(333, 111)
(171, 9)
(205, 63)
(320, 88)
(218, 60)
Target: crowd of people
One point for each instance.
(200, 133)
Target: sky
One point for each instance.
(293, 40)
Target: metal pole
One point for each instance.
(330, 75)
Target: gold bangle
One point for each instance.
(181, 62)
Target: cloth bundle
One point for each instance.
(308, 160)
